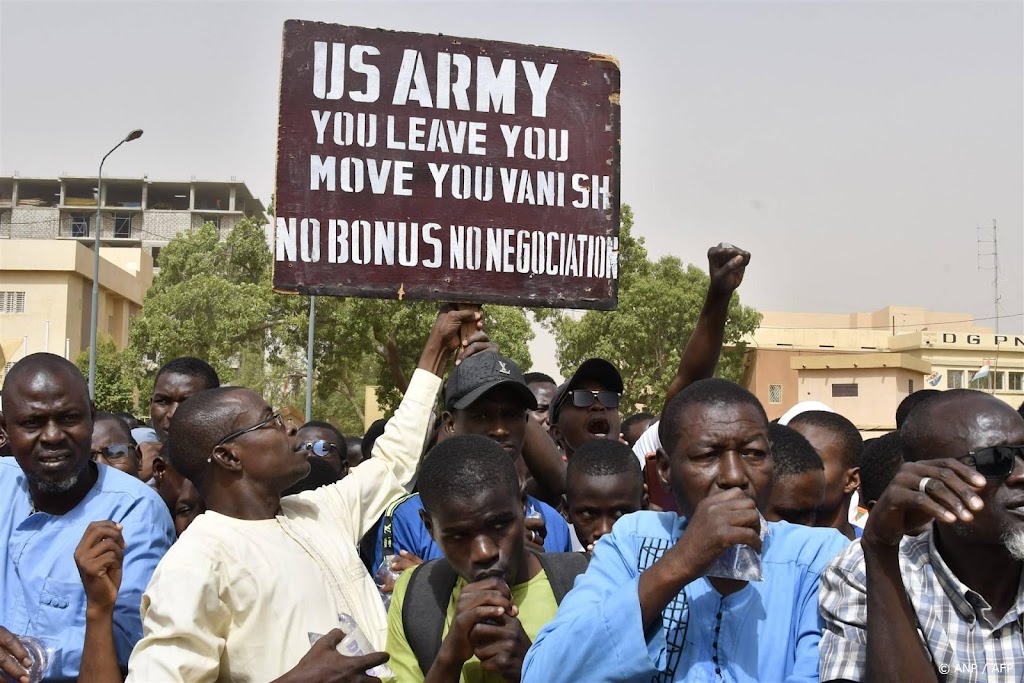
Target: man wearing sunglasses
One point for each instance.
(586, 408)
(323, 441)
(112, 444)
(240, 594)
(947, 604)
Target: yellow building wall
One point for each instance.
(879, 392)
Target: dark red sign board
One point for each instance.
(430, 167)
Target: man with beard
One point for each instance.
(652, 606)
(51, 490)
(945, 605)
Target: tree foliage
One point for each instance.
(213, 299)
(659, 304)
(115, 376)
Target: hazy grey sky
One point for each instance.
(852, 147)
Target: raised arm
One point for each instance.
(545, 462)
(726, 265)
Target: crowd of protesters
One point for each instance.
(501, 527)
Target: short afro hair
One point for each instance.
(319, 424)
(116, 418)
(912, 401)
(921, 424)
(537, 378)
(198, 425)
(846, 433)
(879, 462)
(636, 419)
(191, 367)
(462, 466)
(791, 452)
(603, 458)
(709, 392)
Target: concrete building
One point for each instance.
(134, 212)
(864, 364)
(46, 296)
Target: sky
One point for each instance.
(853, 148)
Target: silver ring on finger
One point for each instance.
(923, 484)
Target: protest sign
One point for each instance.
(430, 167)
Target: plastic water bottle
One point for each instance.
(355, 644)
(39, 653)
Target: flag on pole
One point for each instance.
(982, 372)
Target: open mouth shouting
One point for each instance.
(598, 427)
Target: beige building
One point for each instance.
(46, 296)
(864, 364)
(134, 212)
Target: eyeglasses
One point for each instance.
(234, 435)
(115, 452)
(584, 398)
(320, 448)
(996, 462)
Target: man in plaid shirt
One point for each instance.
(947, 604)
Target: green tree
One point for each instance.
(115, 376)
(659, 303)
(213, 299)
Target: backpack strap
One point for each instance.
(430, 590)
(562, 570)
(388, 541)
(425, 607)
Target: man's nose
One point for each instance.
(731, 471)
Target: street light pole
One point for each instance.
(94, 313)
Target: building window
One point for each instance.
(844, 390)
(12, 302)
(999, 380)
(122, 225)
(7, 367)
(910, 386)
(775, 393)
(156, 257)
(79, 226)
(955, 379)
(1016, 381)
(212, 219)
(984, 383)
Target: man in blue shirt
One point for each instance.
(486, 394)
(52, 490)
(647, 610)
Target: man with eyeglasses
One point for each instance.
(51, 491)
(946, 605)
(241, 596)
(112, 444)
(322, 440)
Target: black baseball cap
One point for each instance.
(597, 369)
(479, 374)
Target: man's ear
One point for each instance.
(448, 421)
(3, 430)
(159, 467)
(646, 500)
(852, 482)
(556, 436)
(428, 524)
(224, 456)
(565, 507)
(663, 468)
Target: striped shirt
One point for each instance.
(966, 643)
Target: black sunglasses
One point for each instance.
(258, 425)
(320, 448)
(115, 452)
(584, 398)
(996, 462)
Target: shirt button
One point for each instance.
(63, 603)
(47, 600)
(718, 671)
